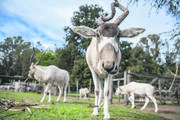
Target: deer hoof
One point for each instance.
(94, 115)
(107, 118)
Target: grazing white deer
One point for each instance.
(84, 91)
(50, 75)
(103, 54)
(139, 89)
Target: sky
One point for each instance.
(44, 20)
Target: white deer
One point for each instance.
(141, 89)
(103, 54)
(50, 75)
(84, 91)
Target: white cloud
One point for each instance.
(46, 45)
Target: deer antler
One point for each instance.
(124, 15)
(32, 55)
(40, 58)
(101, 20)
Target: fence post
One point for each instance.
(160, 91)
(77, 88)
(90, 85)
(125, 82)
(128, 77)
(69, 90)
(118, 94)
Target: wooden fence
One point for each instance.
(126, 79)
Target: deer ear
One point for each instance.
(84, 31)
(131, 32)
(120, 88)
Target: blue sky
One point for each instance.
(44, 20)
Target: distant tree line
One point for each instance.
(150, 55)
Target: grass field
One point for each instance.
(73, 109)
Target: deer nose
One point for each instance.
(108, 66)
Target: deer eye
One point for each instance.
(98, 35)
(118, 35)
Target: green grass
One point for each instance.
(73, 109)
(92, 95)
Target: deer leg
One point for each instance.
(80, 95)
(60, 93)
(49, 95)
(65, 88)
(146, 102)
(95, 111)
(131, 98)
(100, 92)
(84, 95)
(155, 104)
(106, 92)
(45, 92)
(96, 91)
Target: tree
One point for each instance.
(80, 73)
(136, 60)
(46, 59)
(65, 57)
(11, 50)
(172, 6)
(125, 48)
(72, 55)
(146, 56)
(86, 16)
(25, 59)
(14, 57)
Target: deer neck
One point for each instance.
(39, 74)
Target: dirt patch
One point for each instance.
(168, 112)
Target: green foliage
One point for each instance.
(25, 61)
(46, 59)
(125, 55)
(172, 6)
(86, 16)
(65, 57)
(71, 57)
(149, 54)
(80, 73)
(11, 50)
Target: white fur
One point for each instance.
(51, 75)
(106, 40)
(84, 91)
(99, 76)
(139, 89)
(95, 64)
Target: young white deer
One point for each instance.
(142, 89)
(84, 91)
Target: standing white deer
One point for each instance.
(141, 89)
(50, 75)
(103, 54)
(84, 91)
